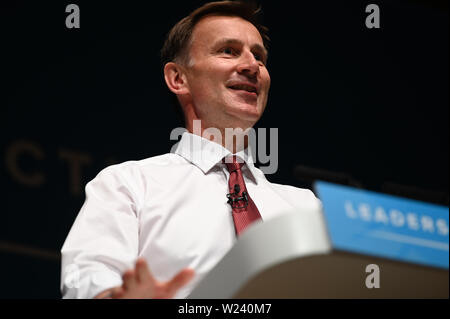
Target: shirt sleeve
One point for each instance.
(103, 241)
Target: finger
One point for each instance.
(104, 295)
(143, 273)
(117, 293)
(129, 280)
(181, 279)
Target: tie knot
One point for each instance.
(232, 163)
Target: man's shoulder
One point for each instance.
(284, 188)
(294, 191)
(295, 195)
(133, 167)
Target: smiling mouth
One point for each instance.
(248, 89)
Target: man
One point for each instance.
(178, 214)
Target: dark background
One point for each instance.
(366, 107)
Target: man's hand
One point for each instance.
(139, 283)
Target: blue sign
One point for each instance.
(386, 226)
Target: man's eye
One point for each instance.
(228, 50)
(259, 58)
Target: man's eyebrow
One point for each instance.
(230, 41)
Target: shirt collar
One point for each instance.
(206, 154)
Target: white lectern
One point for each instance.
(292, 257)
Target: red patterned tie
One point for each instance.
(244, 209)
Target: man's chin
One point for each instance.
(246, 113)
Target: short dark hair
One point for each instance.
(176, 45)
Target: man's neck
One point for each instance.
(233, 139)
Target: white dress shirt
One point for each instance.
(170, 209)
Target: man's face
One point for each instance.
(227, 77)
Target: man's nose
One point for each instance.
(248, 65)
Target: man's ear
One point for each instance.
(175, 78)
